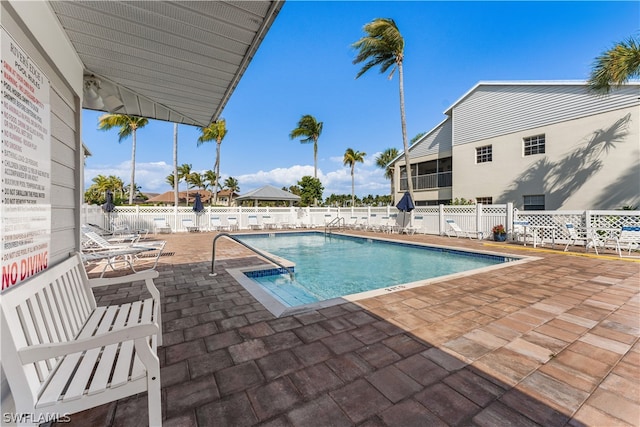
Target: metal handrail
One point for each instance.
(335, 221)
(213, 254)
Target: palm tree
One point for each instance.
(176, 191)
(383, 161)
(197, 180)
(384, 46)
(232, 185)
(350, 158)
(216, 131)
(615, 66)
(184, 171)
(170, 179)
(310, 129)
(128, 126)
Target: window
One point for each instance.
(534, 203)
(534, 145)
(484, 154)
(484, 200)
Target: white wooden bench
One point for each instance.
(63, 354)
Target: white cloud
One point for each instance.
(151, 177)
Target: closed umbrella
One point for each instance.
(109, 206)
(197, 207)
(405, 205)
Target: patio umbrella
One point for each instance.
(108, 206)
(197, 207)
(405, 205)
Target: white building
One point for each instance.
(539, 145)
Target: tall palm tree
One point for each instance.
(384, 46)
(216, 131)
(232, 185)
(310, 130)
(352, 157)
(615, 66)
(210, 182)
(383, 161)
(184, 171)
(128, 126)
(197, 180)
(176, 180)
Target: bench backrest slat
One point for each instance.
(51, 306)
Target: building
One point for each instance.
(539, 145)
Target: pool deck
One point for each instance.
(552, 342)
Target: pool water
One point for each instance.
(331, 266)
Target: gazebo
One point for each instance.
(269, 193)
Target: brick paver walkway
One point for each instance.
(552, 342)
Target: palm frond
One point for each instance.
(615, 66)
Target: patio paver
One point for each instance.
(550, 342)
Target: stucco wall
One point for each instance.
(590, 163)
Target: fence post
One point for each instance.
(587, 219)
(441, 220)
(508, 221)
(479, 228)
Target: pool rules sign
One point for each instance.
(25, 170)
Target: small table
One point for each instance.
(533, 228)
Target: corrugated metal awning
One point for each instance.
(168, 60)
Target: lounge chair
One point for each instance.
(160, 225)
(589, 238)
(253, 223)
(412, 227)
(124, 228)
(352, 223)
(362, 224)
(189, 225)
(216, 224)
(455, 230)
(391, 225)
(629, 239)
(100, 250)
(268, 222)
(233, 223)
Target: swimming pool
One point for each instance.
(339, 266)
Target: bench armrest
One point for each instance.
(39, 352)
(146, 275)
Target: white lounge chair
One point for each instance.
(413, 226)
(352, 223)
(111, 254)
(233, 223)
(253, 223)
(160, 225)
(629, 239)
(216, 224)
(454, 229)
(589, 238)
(189, 225)
(268, 222)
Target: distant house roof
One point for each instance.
(269, 192)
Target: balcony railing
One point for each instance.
(432, 180)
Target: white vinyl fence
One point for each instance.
(427, 219)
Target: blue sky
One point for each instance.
(304, 66)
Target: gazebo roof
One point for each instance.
(269, 192)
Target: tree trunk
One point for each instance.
(176, 190)
(315, 158)
(132, 187)
(353, 186)
(405, 142)
(217, 170)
